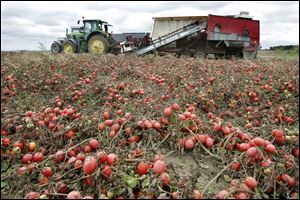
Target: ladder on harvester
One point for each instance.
(171, 37)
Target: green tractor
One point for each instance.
(57, 45)
(93, 37)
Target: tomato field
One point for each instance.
(87, 126)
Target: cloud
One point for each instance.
(24, 24)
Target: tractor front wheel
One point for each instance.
(56, 47)
(69, 47)
(97, 44)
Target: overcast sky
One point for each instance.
(25, 24)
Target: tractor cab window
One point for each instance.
(106, 27)
(87, 26)
(217, 28)
(94, 26)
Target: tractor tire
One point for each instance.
(97, 44)
(200, 54)
(69, 47)
(56, 47)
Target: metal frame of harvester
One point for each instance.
(223, 36)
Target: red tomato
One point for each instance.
(259, 141)
(102, 156)
(165, 178)
(280, 140)
(181, 116)
(38, 156)
(43, 180)
(295, 152)
(5, 142)
(159, 167)
(101, 127)
(72, 160)
(90, 165)
(74, 195)
(142, 168)
(174, 195)
(22, 170)
(175, 106)
(241, 195)
(156, 125)
(266, 163)
(201, 138)
(236, 166)
(156, 158)
(108, 122)
(197, 194)
(78, 164)
(226, 130)
(189, 144)
(187, 114)
(87, 149)
(94, 144)
(140, 124)
(222, 194)
(138, 152)
(59, 156)
(89, 181)
(252, 151)
(209, 142)
(277, 133)
(168, 111)
(80, 156)
(217, 127)
(70, 112)
(270, 148)
(70, 134)
(111, 158)
(244, 146)
(164, 120)
(251, 182)
(32, 195)
(106, 115)
(106, 171)
(148, 124)
(288, 179)
(47, 171)
(27, 158)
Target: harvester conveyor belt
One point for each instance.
(171, 37)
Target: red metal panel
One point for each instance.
(232, 25)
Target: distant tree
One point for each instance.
(284, 47)
(42, 47)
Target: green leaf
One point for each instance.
(187, 123)
(3, 184)
(132, 182)
(227, 178)
(146, 182)
(119, 191)
(172, 120)
(4, 166)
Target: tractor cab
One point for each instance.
(92, 25)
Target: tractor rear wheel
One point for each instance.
(97, 44)
(56, 47)
(69, 47)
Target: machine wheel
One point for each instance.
(97, 44)
(200, 54)
(56, 47)
(69, 47)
